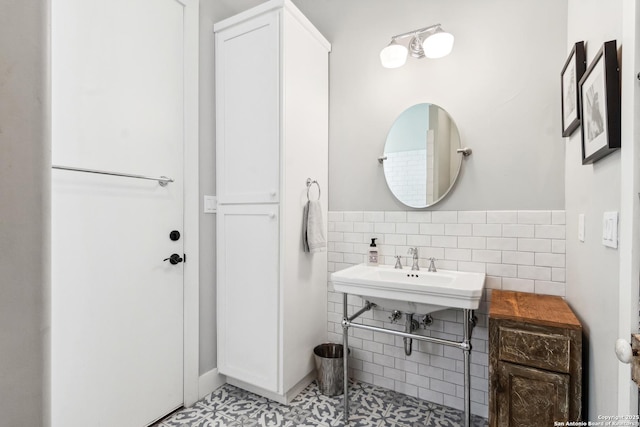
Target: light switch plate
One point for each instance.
(210, 204)
(610, 229)
(581, 227)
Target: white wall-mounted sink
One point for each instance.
(419, 292)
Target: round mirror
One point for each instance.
(421, 162)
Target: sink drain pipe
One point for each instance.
(410, 326)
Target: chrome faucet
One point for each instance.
(414, 252)
(398, 263)
(432, 265)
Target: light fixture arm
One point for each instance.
(416, 32)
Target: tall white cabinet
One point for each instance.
(271, 135)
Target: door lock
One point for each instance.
(174, 259)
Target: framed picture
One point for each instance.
(600, 105)
(570, 75)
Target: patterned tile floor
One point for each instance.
(370, 406)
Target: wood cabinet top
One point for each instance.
(545, 310)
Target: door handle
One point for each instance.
(174, 259)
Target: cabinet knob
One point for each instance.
(273, 193)
(272, 215)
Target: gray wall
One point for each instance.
(207, 358)
(24, 213)
(500, 85)
(592, 269)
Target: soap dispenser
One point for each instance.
(372, 258)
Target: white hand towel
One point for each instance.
(305, 222)
(315, 228)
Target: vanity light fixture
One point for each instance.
(431, 42)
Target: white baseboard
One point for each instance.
(210, 381)
(284, 399)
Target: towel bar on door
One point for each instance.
(163, 180)
(309, 184)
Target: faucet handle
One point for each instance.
(398, 262)
(432, 264)
(413, 251)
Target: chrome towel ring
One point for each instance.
(309, 184)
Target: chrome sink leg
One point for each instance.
(345, 357)
(468, 315)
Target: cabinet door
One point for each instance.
(248, 111)
(529, 397)
(247, 284)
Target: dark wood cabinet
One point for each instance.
(535, 361)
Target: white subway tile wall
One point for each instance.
(406, 173)
(518, 250)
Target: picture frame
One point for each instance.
(600, 105)
(572, 71)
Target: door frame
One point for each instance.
(191, 203)
(629, 247)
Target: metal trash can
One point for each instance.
(329, 366)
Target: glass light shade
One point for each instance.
(438, 44)
(394, 55)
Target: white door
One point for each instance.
(117, 307)
(248, 296)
